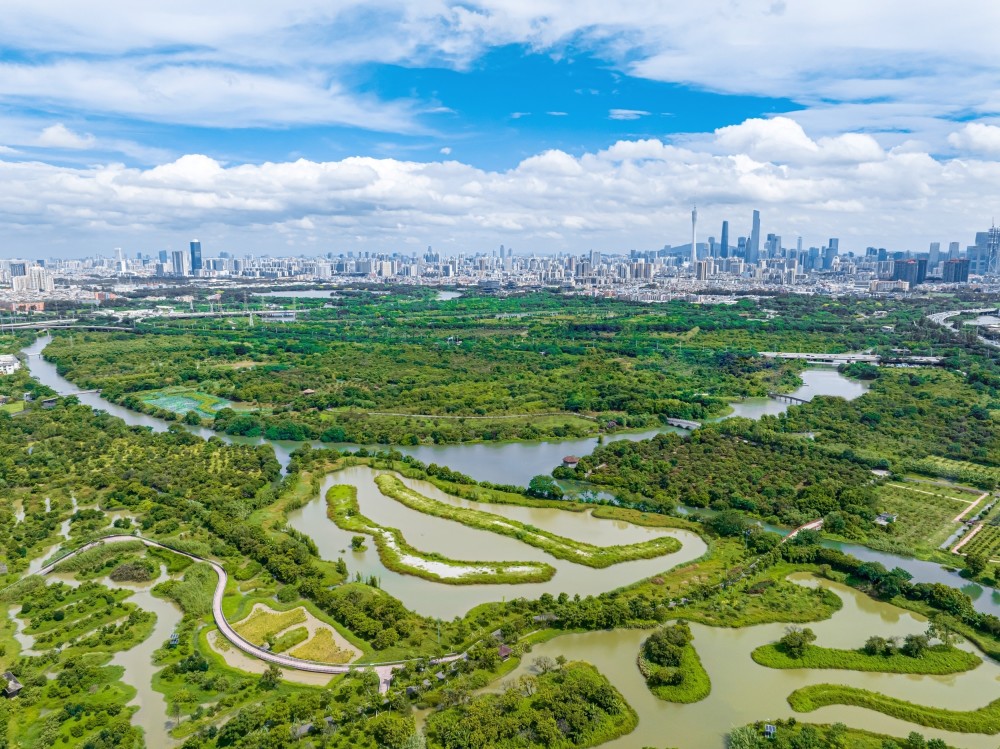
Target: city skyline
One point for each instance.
(550, 128)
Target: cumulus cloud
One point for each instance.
(632, 194)
(626, 114)
(978, 138)
(60, 136)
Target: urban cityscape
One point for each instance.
(745, 263)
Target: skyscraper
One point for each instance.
(195, 256)
(933, 255)
(753, 246)
(724, 242)
(694, 236)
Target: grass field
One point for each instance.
(926, 512)
(14, 407)
(322, 648)
(181, 400)
(262, 624)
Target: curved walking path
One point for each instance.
(384, 670)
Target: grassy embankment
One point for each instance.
(939, 659)
(577, 552)
(985, 720)
(396, 553)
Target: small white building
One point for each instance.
(9, 364)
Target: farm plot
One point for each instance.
(987, 539)
(926, 513)
(181, 400)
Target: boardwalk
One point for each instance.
(384, 670)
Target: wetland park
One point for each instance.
(466, 520)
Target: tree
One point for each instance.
(544, 487)
(182, 698)
(543, 664)
(975, 563)
(270, 678)
(796, 640)
(745, 737)
(358, 543)
(876, 645)
(915, 646)
(392, 731)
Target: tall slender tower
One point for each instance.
(694, 236)
(724, 250)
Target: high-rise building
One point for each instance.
(179, 259)
(955, 271)
(724, 241)
(195, 256)
(934, 255)
(954, 250)
(753, 245)
(694, 235)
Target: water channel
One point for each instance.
(743, 692)
(460, 542)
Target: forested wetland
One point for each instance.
(422, 382)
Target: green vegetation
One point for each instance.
(938, 659)
(791, 734)
(397, 555)
(926, 513)
(572, 706)
(76, 632)
(289, 639)
(728, 466)
(478, 368)
(984, 720)
(672, 667)
(559, 547)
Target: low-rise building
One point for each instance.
(9, 364)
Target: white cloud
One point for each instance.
(978, 138)
(557, 114)
(632, 194)
(627, 114)
(60, 136)
(446, 150)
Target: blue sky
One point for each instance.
(548, 125)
